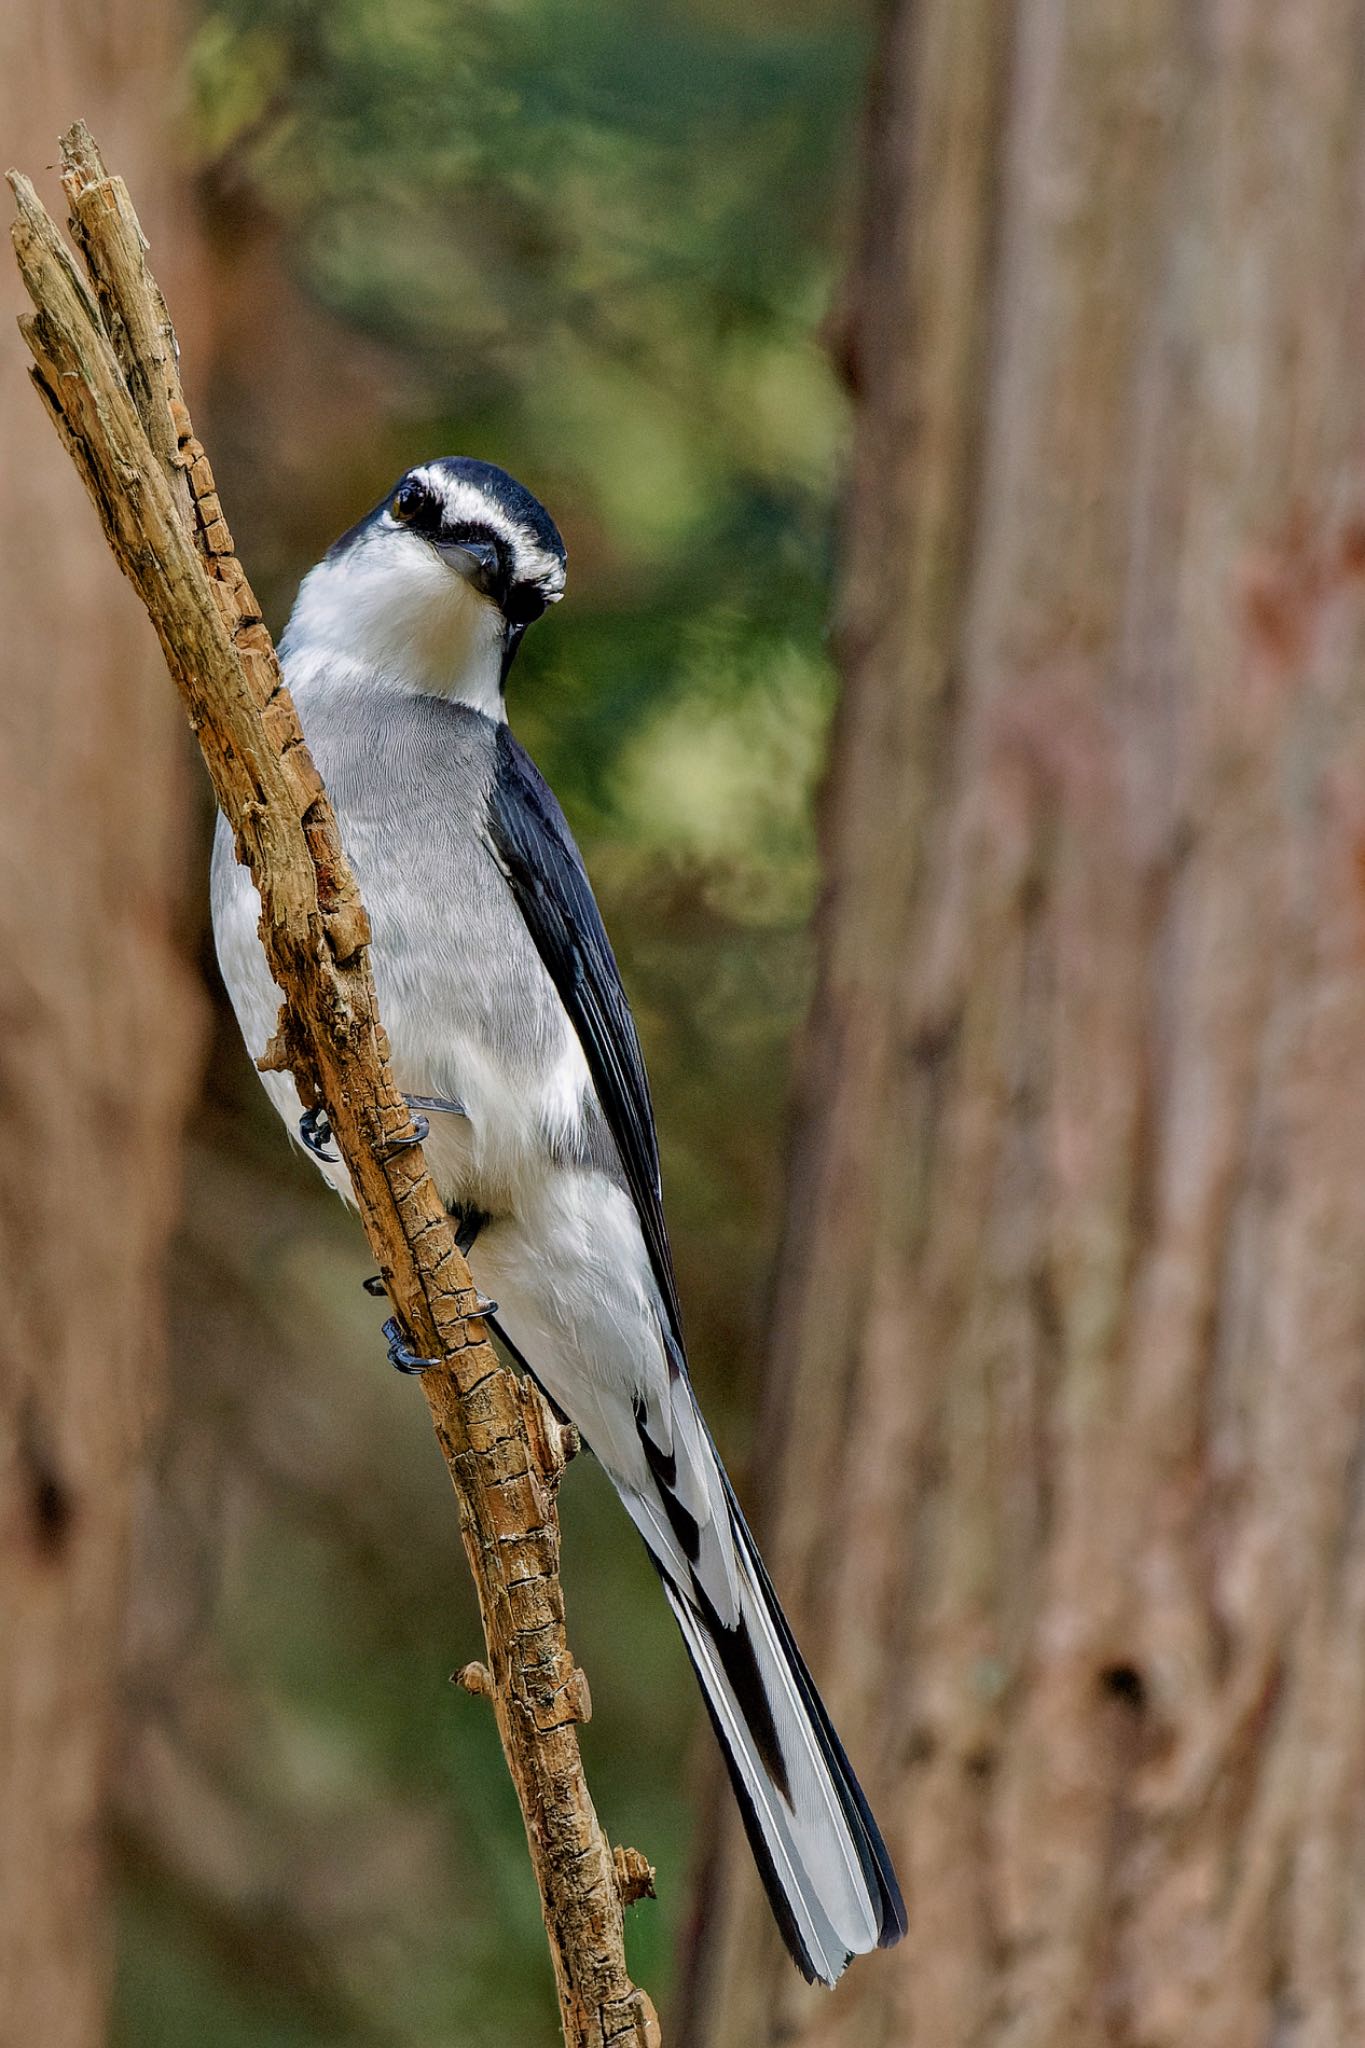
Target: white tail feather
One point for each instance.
(806, 1831)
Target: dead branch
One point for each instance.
(105, 365)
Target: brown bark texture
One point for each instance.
(97, 1050)
(1071, 1313)
(106, 367)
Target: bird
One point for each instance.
(512, 1037)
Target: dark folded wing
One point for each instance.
(535, 848)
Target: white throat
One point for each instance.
(389, 612)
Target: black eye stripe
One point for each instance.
(417, 508)
(465, 530)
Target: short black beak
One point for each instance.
(475, 560)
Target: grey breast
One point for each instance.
(410, 777)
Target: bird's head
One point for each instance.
(433, 589)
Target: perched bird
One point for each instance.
(508, 1023)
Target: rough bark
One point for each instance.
(106, 368)
(96, 1066)
(1071, 1315)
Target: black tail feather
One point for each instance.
(872, 1850)
(772, 1884)
(873, 1856)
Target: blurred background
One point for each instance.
(998, 952)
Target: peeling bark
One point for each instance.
(105, 366)
(1072, 1306)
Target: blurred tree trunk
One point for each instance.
(99, 1025)
(1071, 1318)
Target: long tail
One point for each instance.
(822, 1859)
(820, 1853)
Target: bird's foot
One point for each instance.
(391, 1147)
(446, 1105)
(315, 1127)
(315, 1131)
(375, 1286)
(402, 1356)
(468, 1222)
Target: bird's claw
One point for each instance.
(421, 1128)
(389, 1148)
(402, 1356)
(315, 1129)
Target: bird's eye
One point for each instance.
(408, 501)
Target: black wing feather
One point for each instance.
(535, 848)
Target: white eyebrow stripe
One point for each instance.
(533, 564)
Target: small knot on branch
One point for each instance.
(577, 1697)
(284, 1055)
(276, 1058)
(474, 1678)
(553, 1441)
(634, 1876)
(347, 928)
